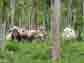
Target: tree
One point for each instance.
(3, 9)
(79, 22)
(12, 8)
(56, 30)
(33, 19)
(46, 13)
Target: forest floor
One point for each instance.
(40, 52)
(73, 52)
(27, 52)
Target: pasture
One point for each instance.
(26, 52)
(73, 52)
(40, 52)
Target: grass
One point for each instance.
(40, 52)
(73, 52)
(36, 52)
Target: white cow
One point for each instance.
(69, 33)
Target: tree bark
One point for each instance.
(46, 14)
(33, 19)
(69, 13)
(56, 30)
(12, 7)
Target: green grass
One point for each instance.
(36, 52)
(40, 52)
(73, 52)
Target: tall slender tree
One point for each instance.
(46, 13)
(79, 22)
(3, 8)
(33, 19)
(69, 16)
(56, 30)
(12, 7)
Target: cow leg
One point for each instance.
(12, 37)
(18, 38)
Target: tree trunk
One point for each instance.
(69, 13)
(79, 21)
(46, 14)
(56, 30)
(12, 7)
(4, 11)
(33, 19)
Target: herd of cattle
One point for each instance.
(19, 34)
